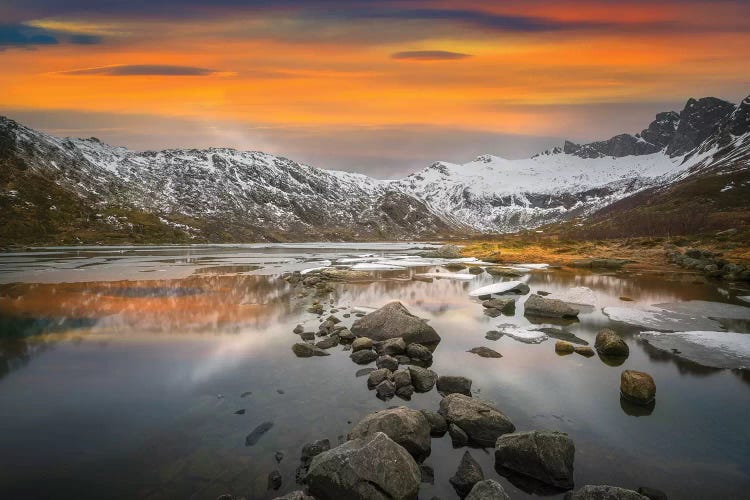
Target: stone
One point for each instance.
(584, 350)
(459, 437)
(637, 387)
(482, 422)
(387, 362)
(377, 376)
(401, 378)
(546, 456)
(274, 480)
(298, 329)
(503, 271)
(363, 357)
(403, 425)
(305, 350)
(394, 320)
(449, 384)
(562, 347)
(312, 450)
(373, 468)
(503, 304)
(385, 390)
(475, 270)
(468, 474)
(307, 335)
(393, 347)
(428, 474)
(489, 489)
(333, 319)
(602, 492)
(331, 341)
(485, 352)
(608, 343)
(257, 433)
(361, 343)
(405, 392)
(403, 359)
(346, 336)
(493, 335)
(419, 352)
(454, 266)
(422, 379)
(536, 305)
(444, 252)
(599, 263)
(438, 425)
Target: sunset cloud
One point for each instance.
(144, 70)
(429, 55)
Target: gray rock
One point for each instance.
(438, 425)
(385, 390)
(422, 379)
(482, 422)
(608, 343)
(493, 335)
(393, 347)
(363, 357)
(405, 392)
(419, 352)
(459, 437)
(652, 493)
(387, 362)
(298, 329)
(504, 304)
(405, 426)
(448, 384)
(371, 468)
(468, 474)
(546, 456)
(311, 450)
(361, 344)
(394, 320)
(637, 387)
(428, 474)
(307, 335)
(602, 492)
(331, 341)
(485, 352)
(346, 336)
(488, 489)
(377, 376)
(444, 252)
(401, 378)
(305, 350)
(553, 308)
(403, 359)
(274, 480)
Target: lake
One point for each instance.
(122, 370)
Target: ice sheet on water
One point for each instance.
(320, 265)
(448, 276)
(521, 334)
(708, 309)
(501, 287)
(376, 266)
(708, 348)
(661, 319)
(580, 295)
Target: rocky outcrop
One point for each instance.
(711, 264)
(542, 455)
(698, 120)
(393, 320)
(372, 468)
(405, 426)
(480, 420)
(601, 492)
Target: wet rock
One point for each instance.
(459, 438)
(331, 341)
(388, 362)
(493, 335)
(377, 376)
(591, 492)
(482, 422)
(419, 352)
(637, 387)
(298, 329)
(274, 480)
(553, 308)
(492, 313)
(519, 289)
(257, 433)
(608, 343)
(403, 359)
(488, 489)
(468, 474)
(374, 467)
(599, 263)
(444, 252)
(346, 336)
(485, 352)
(315, 309)
(385, 390)
(394, 320)
(333, 319)
(305, 350)
(428, 474)
(546, 456)
(393, 347)
(454, 266)
(560, 334)
(401, 378)
(361, 343)
(438, 425)
(240, 412)
(506, 304)
(422, 379)
(363, 371)
(307, 335)
(584, 351)
(405, 392)
(652, 493)
(278, 456)
(363, 357)
(475, 270)
(562, 347)
(405, 426)
(449, 384)
(312, 450)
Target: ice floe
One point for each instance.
(323, 264)
(448, 276)
(709, 309)
(708, 348)
(376, 266)
(661, 319)
(521, 334)
(744, 298)
(580, 295)
(501, 287)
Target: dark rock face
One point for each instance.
(554, 308)
(295, 495)
(543, 455)
(661, 131)
(373, 467)
(637, 387)
(488, 489)
(608, 343)
(394, 320)
(468, 474)
(459, 438)
(482, 422)
(591, 492)
(698, 120)
(448, 384)
(405, 426)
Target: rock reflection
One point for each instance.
(635, 410)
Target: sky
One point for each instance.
(383, 87)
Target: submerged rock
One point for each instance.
(536, 305)
(274, 480)
(394, 320)
(608, 343)
(468, 474)
(591, 492)
(546, 456)
(305, 350)
(438, 425)
(485, 352)
(405, 426)
(482, 422)
(637, 387)
(374, 467)
(257, 433)
(488, 489)
(449, 384)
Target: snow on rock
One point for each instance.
(708, 348)
(501, 287)
(521, 334)
(744, 298)
(324, 264)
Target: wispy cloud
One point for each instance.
(25, 35)
(146, 70)
(429, 55)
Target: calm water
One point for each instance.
(121, 370)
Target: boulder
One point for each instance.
(305, 350)
(503, 271)
(503, 304)
(394, 320)
(307, 335)
(652, 493)
(475, 270)
(377, 376)
(546, 456)
(448, 384)
(388, 362)
(584, 350)
(401, 378)
(295, 495)
(419, 352)
(485, 352)
(385, 390)
(405, 392)
(346, 336)
(489, 489)
(393, 347)
(562, 347)
(438, 425)
(601, 492)
(363, 357)
(444, 252)
(608, 343)
(327, 343)
(468, 474)
(361, 344)
(637, 387)
(482, 422)
(422, 379)
(298, 329)
(459, 438)
(405, 426)
(599, 263)
(372, 468)
(536, 305)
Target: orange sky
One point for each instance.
(532, 68)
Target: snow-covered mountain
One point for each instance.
(81, 189)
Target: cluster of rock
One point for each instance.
(709, 263)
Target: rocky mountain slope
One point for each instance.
(69, 190)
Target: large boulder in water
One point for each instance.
(608, 343)
(371, 468)
(536, 305)
(602, 492)
(394, 320)
(489, 489)
(637, 387)
(481, 421)
(407, 427)
(546, 456)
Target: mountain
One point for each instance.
(67, 190)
